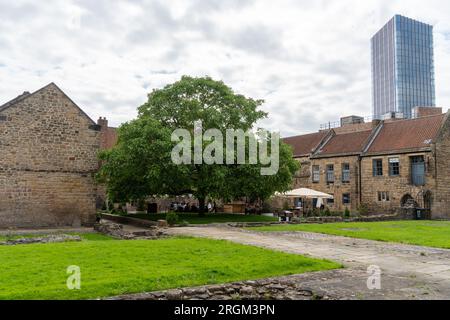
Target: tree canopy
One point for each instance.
(140, 165)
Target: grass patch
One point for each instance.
(195, 218)
(38, 271)
(424, 233)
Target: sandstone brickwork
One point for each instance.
(441, 202)
(339, 187)
(48, 160)
(427, 136)
(397, 187)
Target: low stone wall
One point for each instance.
(281, 288)
(324, 219)
(129, 220)
(44, 239)
(377, 218)
(352, 219)
(116, 230)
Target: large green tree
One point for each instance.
(141, 165)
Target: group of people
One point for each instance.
(183, 207)
(188, 207)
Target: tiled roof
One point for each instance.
(407, 134)
(347, 143)
(303, 145)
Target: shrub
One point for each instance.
(346, 213)
(171, 218)
(327, 212)
(363, 210)
(286, 205)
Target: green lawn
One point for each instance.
(424, 233)
(194, 218)
(113, 267)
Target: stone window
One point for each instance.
(346, 198)
(315, 174)
(3, 118)
(330, 173)
(394, 167)
(377, 167)
(383, 196)
(345, 172)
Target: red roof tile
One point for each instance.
(303, 145)
(407, 134)
(346, 143)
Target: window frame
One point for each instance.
(314, 172)
(344, 172)
(376, 168)
(344, 195)
(391, 174)
(384, 196)
(328, 171)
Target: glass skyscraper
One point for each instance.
(402, 67)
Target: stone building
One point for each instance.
(48, 160)
(381, 166)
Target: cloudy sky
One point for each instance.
(309, 60)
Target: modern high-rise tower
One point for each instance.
(402, 67)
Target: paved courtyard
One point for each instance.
(407, 272)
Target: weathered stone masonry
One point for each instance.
(426, 137)
(48, 160)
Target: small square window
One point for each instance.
(383, 196)
(346, 198)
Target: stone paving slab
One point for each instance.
(410, 267)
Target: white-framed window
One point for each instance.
(316, 173)
(383, 196)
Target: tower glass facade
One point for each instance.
(402, 67)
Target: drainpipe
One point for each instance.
(359, 180)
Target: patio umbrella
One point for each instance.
(305, 193)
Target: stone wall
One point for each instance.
(278, 288)
(338, 188)
(49, 155)
(303, 179)
(397, 186)
(441, 200)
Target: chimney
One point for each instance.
(102, 122)
(350, 120)
(419, 112)
(392, 116)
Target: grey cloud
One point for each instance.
(258, 39)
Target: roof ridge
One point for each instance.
(353, 132)
(14, 101)
(22, 97)
(308, 134)
(413, 119)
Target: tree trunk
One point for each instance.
(201, 206)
